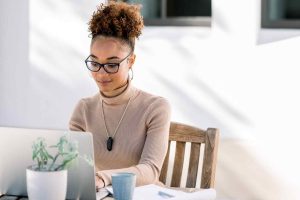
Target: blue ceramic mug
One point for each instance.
(123, 185)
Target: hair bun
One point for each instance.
(117, 19)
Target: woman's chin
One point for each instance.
(105, 89)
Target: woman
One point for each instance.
(130, 127)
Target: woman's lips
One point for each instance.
(104, 82)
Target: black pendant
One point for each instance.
(109, 143)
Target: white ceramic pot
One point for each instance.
(46, 185)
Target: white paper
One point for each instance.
(154, 192)
(150, 192)
(203, 194)
(103, 192)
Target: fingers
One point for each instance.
(99, 183)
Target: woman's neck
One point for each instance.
(117, 91)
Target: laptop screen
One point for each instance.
(16, 156)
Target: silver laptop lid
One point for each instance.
(16, 156)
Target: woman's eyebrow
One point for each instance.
(93, 56)
(109, 58)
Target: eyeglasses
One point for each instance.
(110, 68)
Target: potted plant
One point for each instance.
(47, 179)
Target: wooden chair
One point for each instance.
(182, 134)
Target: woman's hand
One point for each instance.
(99, 183)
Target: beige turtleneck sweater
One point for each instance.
(141, 142)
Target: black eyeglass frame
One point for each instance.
(105, 64)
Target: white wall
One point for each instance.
(14, 61)
(233, 76)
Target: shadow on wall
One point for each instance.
(266, 36)
(240, 175)
(51, 101)
(191, 109)
(220, 20)
(230, 110)
(196, 112)
(53, 92)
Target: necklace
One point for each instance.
(110, 139)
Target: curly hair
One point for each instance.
(117, 19)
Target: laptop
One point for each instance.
(16, 156)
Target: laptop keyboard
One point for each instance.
(9, 197)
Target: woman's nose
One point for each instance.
(102, 71)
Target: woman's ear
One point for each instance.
(131, 60)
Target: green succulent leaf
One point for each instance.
(67, 153)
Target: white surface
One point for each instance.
(151, 192)
(103, 192)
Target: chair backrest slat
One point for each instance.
(178, 164)
(182, 133)
(193, 165)
(210, 158)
